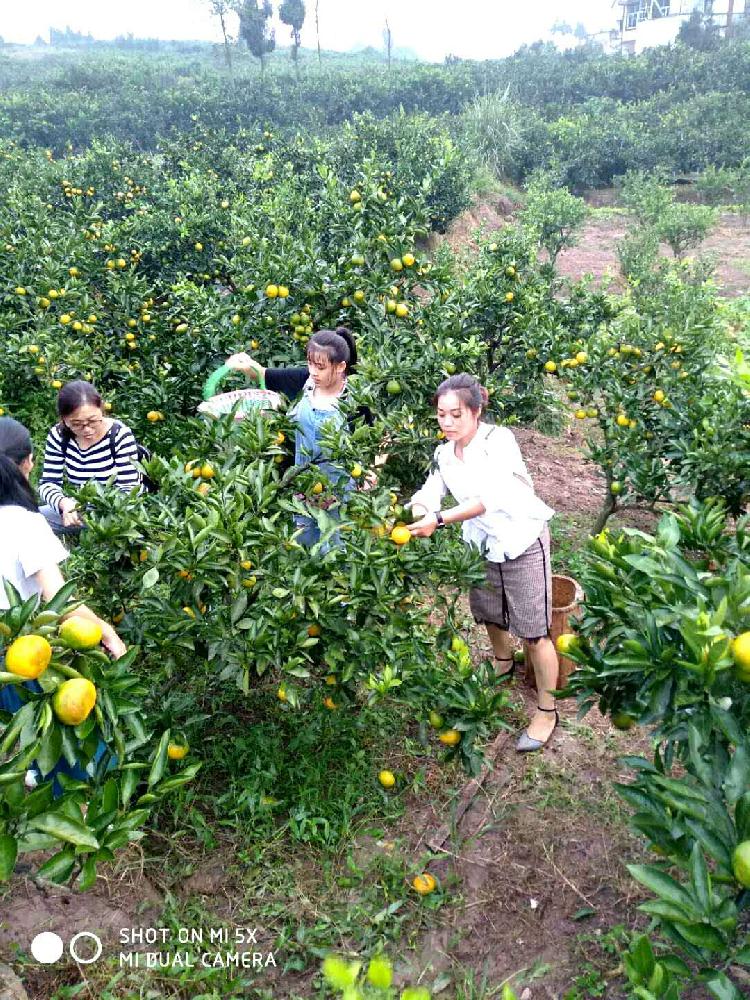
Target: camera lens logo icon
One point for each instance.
(48, 947)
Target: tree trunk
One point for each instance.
(227, 50)
(608, 508)
(388, 42)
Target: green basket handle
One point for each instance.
(213, 381)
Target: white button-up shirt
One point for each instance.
(492, 471)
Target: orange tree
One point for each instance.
(664, 417)
(217, 590)
(87, 711)
(663, 642)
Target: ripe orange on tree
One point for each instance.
(400, 535)
(80, 633)
(566, 643)
(451, 737)
(176, 751)
(28, 656)
(73, 701)
(741, 656)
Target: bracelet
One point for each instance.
(439, 519)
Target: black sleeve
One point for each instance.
(290, 381)
(364, 413)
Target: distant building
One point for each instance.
(646, 23)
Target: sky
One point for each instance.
(433, 29)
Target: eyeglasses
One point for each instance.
(82, 425)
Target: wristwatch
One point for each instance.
(439, 519)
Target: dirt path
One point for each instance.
(596, 251)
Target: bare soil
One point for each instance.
(596, 251)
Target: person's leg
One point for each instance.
(543, 657)
(528, 588)
(489, 607)
(502, 648)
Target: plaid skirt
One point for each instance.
(518, 594)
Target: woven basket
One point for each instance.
(246, 400)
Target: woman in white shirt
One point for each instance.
(481, 466)
(86, 444)
(30, 553)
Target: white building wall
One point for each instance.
(653, 31)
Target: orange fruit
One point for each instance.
(436, 719)
(424, 883)
(451, 737)
(741, 863)
(330, 703)
(28, 656)
(623, 721)
(313, 631)
(80, 633)
(176, 751)
(400, 535)
(741, 655)
(566, 643)
(74, 700)
(387, 779)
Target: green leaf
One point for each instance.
(641, 955)
(150, 578)
(88, 873)
(50, 750)
(59, 867)
(160, 760)
(8, 855)
(742, 817)
(703, 936)
(738, 776)
(701, 880)
(723, 988)
(663, 885)
(69, 830)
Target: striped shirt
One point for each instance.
(80, 466)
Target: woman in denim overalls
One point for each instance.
(317, 391)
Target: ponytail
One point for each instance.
(337, 345)
(15, 447)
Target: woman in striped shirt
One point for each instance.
(85, 445)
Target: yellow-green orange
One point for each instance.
(80, 633)
(74, 700)
(741, 863)
(566, 643)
